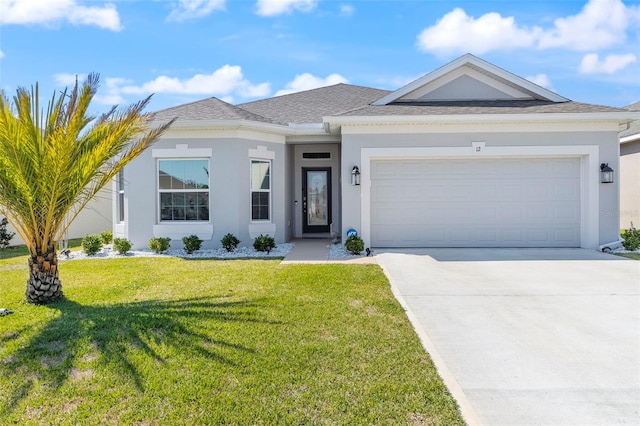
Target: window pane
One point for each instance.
(121, 207)
(184, 206)
(120, 180)
(166, 203)
(260, 178)
(196, 174)
(260, 206)
(203, 206)
(171, 174)
(164, 174)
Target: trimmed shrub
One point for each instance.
(91, 244)
(354, 244)
(5, 236)
(106, 237)
(230, 242)
(264, 243)
(160, 245)
(191, 243)
(631, 239)
(121, 245)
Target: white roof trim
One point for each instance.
(469, 59)
(610, 117)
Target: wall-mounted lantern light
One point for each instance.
(355, 176)
(606, 173)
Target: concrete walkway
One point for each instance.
(527, 336)
(316, 250)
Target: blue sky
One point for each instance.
(242, 50)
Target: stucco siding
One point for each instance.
(229, 196)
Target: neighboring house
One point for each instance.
(630, 173)
(469, 155)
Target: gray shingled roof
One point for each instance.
(208, 109)
(634, 127)
(478, 107)
(311, 105)
(348, 100)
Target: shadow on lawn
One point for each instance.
(111, 336)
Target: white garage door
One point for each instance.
(507, 202)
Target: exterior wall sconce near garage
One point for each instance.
(355, 176)
(606, 173)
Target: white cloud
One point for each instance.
(48, 12)
(346, 10)
(542, 80)
(109, 94)
(223, 83)
(1, 54)
(308, 81)
(462, 33)
(188, 9)
(279, 7)
(67, 79)
(591, 63)
(600, 24)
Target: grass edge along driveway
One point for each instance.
(172, 341)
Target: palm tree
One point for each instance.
(52, 164)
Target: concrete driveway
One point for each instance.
(527, 336)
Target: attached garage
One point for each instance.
(489, 202)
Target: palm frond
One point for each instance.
(53, 163)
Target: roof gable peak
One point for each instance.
(469, 78)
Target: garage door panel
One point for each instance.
(566, 190)
(526, 202)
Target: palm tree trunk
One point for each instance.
(43, 285)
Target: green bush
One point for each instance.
(354, 244)
(264, 243)
(91, 244)
(5, 236)
(631, 239)
(160, 245)
(191, 243)
(106, 237)
(121, 245)
(230, 242)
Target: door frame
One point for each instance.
(315, 229)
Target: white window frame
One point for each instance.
(161, 191)
(251, 190)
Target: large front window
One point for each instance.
(184, 190)
(260, 190)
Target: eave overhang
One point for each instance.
(334, 123)
(294, 129)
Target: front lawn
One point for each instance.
(171, 341)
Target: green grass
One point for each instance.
(171, 341)
(635, 256)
